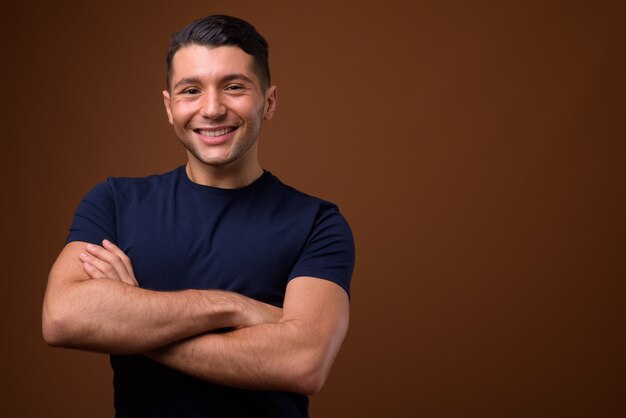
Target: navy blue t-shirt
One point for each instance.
(182, 235)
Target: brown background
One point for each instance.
(477, 149)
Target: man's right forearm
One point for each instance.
(113, 317)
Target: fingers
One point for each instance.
(100, 262)
(274, 314)
(261, 313)
(98, 267)
(115, 250)
(93, 272)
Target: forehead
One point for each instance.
(211, 62)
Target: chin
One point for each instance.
(217, 161)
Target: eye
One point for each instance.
(233, 87)
(191, 90)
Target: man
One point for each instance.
(217, 290)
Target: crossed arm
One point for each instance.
(92, 302)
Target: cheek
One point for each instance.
(253, 112)
(182, 114)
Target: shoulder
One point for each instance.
(125, 184)
(322, 216)
(98, 213)
(117, 190)
(300, 200)
(328, 251)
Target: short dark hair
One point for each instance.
(218, 30)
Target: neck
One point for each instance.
(228, 176)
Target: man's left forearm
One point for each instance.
(293, 355)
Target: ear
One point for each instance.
(270, 103)
(168, 109)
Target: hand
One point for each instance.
(108, 262)
(256, 313)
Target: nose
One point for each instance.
(213, 106)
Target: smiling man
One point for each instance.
(218, 290)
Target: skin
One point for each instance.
(293, 351)
(226, 94)
(93, 302)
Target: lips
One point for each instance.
(215, 136)
(212, 133)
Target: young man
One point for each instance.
(217, 290)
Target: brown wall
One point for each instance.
(477, 149)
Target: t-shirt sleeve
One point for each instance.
(94, 219)
(329, 251)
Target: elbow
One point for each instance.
(51, 333)
(311, 364)
(56, 327)
(309, 377)
(311, 384)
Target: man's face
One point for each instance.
(217, 104)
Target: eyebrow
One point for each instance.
(187, 80)
(237, 76)
(227, 78)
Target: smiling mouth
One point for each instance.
(214, 132)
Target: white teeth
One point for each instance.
(218, 132)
